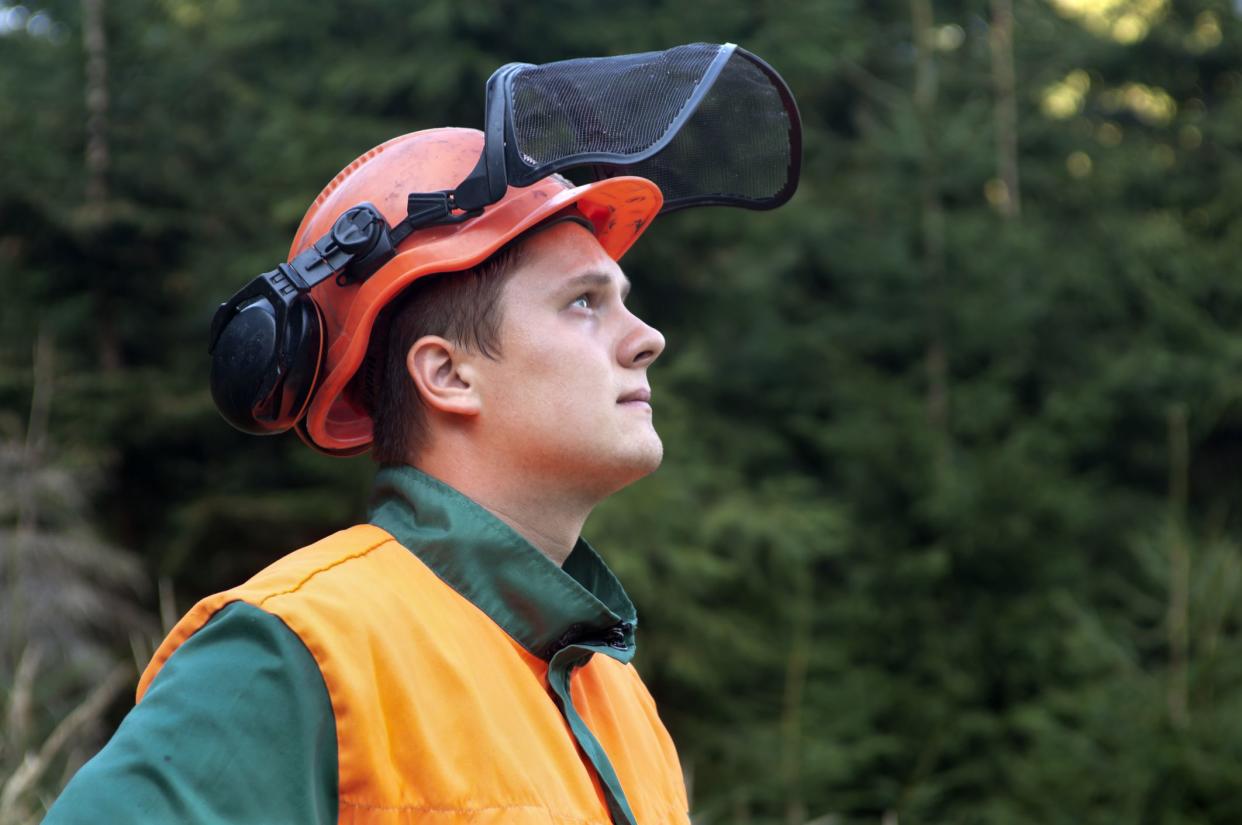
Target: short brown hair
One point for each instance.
(463, 307)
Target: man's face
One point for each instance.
(568, 397)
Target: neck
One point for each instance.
(547, 515)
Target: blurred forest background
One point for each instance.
(950, 524)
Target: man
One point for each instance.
(464, 656)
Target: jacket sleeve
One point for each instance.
(237, 727)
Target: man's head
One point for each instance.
(531, 360)
(337, 418)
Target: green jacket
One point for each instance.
(238, 726)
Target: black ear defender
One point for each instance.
(267, 341)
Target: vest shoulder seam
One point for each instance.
(312, 574)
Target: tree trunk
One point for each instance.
(932, 233)
(795, 689)
(1005, 109)
(1179, 568)
(95, 42)
(27, 493)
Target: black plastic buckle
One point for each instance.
(429, 209)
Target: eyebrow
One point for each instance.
(595, 280)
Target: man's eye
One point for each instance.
(583, 301)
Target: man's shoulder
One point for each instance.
(304, 589)
(328, 559)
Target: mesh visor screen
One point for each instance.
(706, 123)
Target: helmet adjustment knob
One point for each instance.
(357, 230)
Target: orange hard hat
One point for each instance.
(619, 209)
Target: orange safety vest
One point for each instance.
(441, 716)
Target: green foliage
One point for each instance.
(946, 529)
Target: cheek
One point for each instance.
(554, 373)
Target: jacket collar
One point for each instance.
(543, 607)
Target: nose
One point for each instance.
(641, 345)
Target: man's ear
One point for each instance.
(444, 375)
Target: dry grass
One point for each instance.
(69, 603)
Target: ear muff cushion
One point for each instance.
(256, 388)
(300, 429)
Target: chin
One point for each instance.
(652, 458)
(612, 471)
(640, 463)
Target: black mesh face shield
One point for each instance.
(707, 123)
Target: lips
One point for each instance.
(643, 395)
